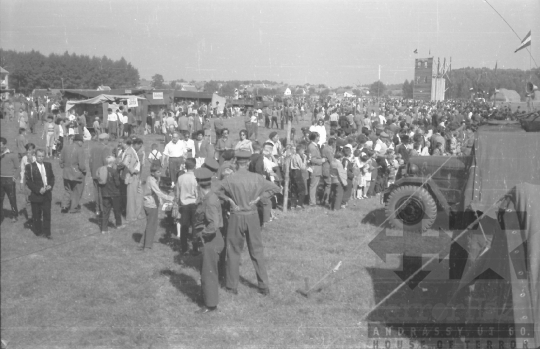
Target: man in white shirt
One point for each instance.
(174, 155)
(112, 124)
(321, 130)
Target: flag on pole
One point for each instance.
(525, 42)
(495, 70)
(415, 50)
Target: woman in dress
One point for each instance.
(244, 144)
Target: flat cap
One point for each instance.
(203, 174)
(211, 164)
(242, 154)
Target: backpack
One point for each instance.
(102, 175)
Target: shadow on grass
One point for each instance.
(185, 284)
(248, 283)
(91, 206)
(375, 217)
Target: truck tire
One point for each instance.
(417, 209)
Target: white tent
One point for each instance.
(101, 99)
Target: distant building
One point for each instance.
(348, 94)
(4, 74)
(103, 88)
(190, 88)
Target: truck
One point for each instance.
(503, 154)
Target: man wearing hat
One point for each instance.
(243, 189)
(98, 158)
(73, 162)
(208, 221)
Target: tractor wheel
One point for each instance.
(417, 210)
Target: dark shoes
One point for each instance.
(76, 210)
(206, 310)
(264, 291)
(64, 210)
(231, 290)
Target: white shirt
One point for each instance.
(155, 155)
(175, 150)
(321, 130)
(190, 144)
(382, 119)
(112, 117)
(122, 118)
(41, 168)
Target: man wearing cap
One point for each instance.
(207, 224)
(186, 195)
(98, 158)
(243, 189)
(73, 162)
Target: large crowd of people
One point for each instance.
(223, 190)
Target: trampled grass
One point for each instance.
(84, 289)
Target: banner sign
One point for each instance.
(132, 102)
(157, 95)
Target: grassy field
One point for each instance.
(84, 289)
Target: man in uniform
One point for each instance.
(243, 189)
(208, 221)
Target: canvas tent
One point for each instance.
(222, 101)
(100, 104)
(504, 95)
(100, 100)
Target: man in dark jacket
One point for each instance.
(110, 195)
(40, 180)
(73, 161)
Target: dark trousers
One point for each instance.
(187, 220)
(298, 188)
(211, 251)
(282, 122)
(41, 217)
(347, 191)
(245, 227)
(7, 186)
(274, 121)
(326, 184)
(371, 189)
(97, 195)
(123, 197)
(151, 226)
(267, 121)
(108, 203)
(336, 195)
(72, 194)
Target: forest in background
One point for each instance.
(31, 70)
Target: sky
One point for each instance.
(337, 43)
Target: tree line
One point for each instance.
(33, 70)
